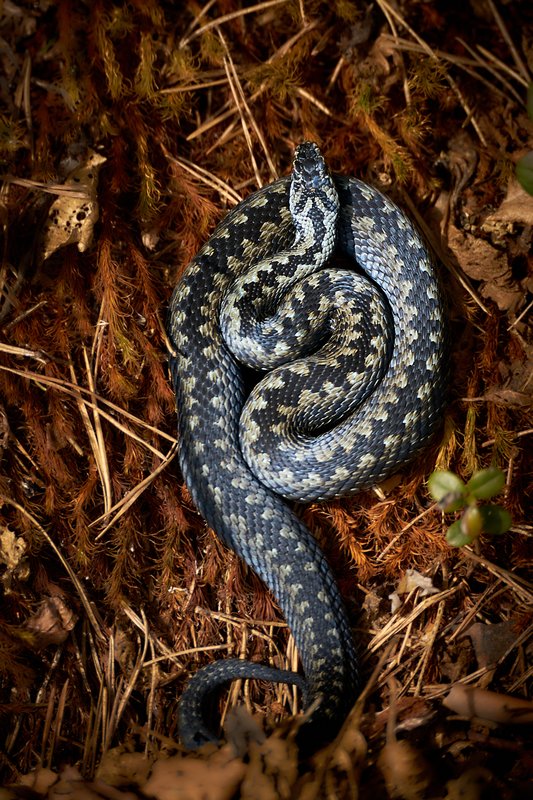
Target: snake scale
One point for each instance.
(325, 283)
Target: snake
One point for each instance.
(308, 358)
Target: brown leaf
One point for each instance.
(478, 259)
(215, 777)
(471, 785)
(71, 219)
(491, 642)
(469, 701)
(272, 770)
(517, 207)
(508, 397)
(52, 623)
(482, 261)
(120, 767)
(405, 771)
(12, 549)
(13, 555)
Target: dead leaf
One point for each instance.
(40, 780)
(241, 729)
(71, 786)
(469, 701)
(70, 219)
(121, 767)
(471, 785)
(516, 387)
(216, 776)
(508, 397)
(477, 258)
(13, 555)
(460, 160)
(491, 642)
(405, 771)
(412, 713)
(12, 549)
(272, 770)
(412, 579)
(482, 261)
(52, 623)
(516, 208)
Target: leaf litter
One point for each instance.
(113, 589)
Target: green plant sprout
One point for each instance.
(452, 494)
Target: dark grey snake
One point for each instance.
(356, 389)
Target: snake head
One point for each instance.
(313, 198)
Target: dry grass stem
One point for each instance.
(233, 15)
(524, 72)
(125, 502)
(431, 53)
(74, 390)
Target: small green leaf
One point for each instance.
(447, 489)
(495, 519)
(471, 522)
(486, 483)
(524, 172)
(456, 537)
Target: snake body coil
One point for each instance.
(363, 396)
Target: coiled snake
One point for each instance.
(356, 388)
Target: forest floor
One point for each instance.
(127, 131)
